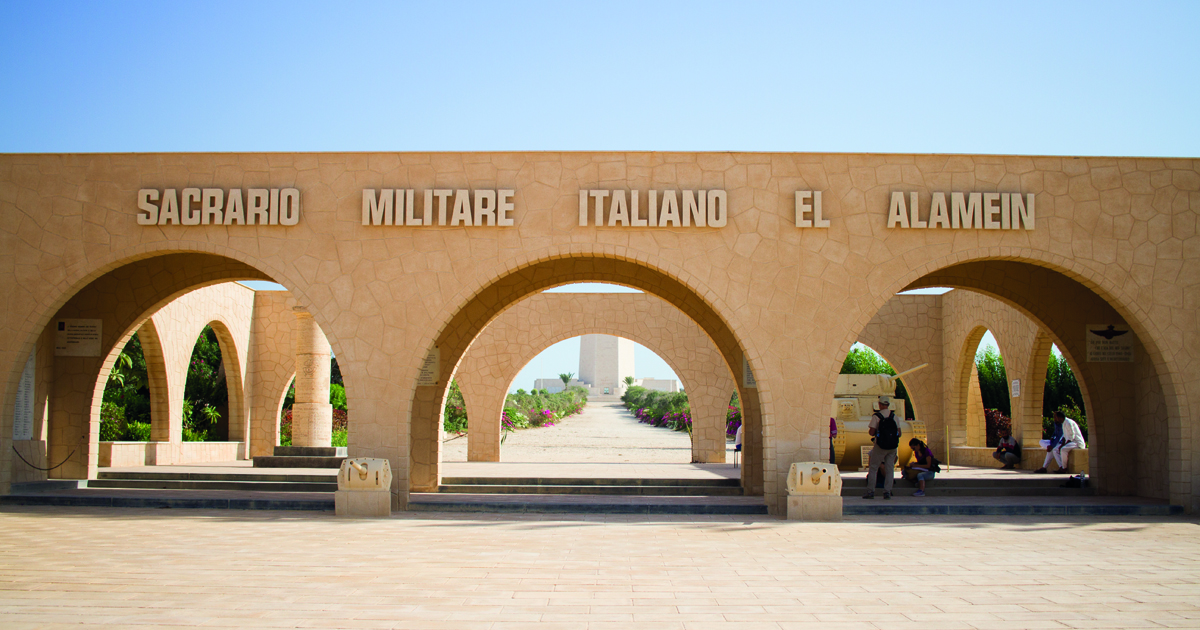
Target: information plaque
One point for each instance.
(77, 338)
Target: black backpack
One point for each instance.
(887, 436)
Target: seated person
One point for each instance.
(1066, 438)
(923, 469)
(1009, 451)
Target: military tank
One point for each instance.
(855, 399)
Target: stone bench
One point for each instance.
(120, 454)
(1031, 458)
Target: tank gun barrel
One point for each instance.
(909, 371)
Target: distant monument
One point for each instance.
(604, 362)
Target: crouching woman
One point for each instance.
(924, 468)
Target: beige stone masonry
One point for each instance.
(272, 367)
(312, 415)
(1115, 242)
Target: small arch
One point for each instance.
(488, 302)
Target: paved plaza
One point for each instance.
(244, 569)
(60, 567)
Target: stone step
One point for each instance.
(330, 477)
(290, 461)
(310, 451)
(973, 491)
(181, 499)
(625, 490)
(589, 481)
(878, 508)
(187, 484)
(859, 480)
(585, 504)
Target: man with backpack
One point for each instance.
(885, 431)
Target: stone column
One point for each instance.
(312, 415)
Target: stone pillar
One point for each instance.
(312, 415)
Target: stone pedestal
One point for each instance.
(814, 492)
(814, 507)
(364, 488)
(312, 415)
(362, 503)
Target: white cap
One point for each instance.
(885, 400)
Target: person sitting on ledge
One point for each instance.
(1008, 452)
(923, 469)
(1067, 437)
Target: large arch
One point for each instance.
(514, 338)
(121, 299)
(1064, 307)
(454, 339)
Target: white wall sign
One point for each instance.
(465, 208)
(212, 206)
(748, 376)
(1109, 343)
(664, 208)
(1016, 388)
(430, 367)
(77, 338)
(966, 211)
(23, 410)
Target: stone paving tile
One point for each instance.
(212, 569)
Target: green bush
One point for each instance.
(192, 435)
(206, 388)
(655, 403)
(993, 380)
(137, 432)
(112, 422)
(541, 408)
(337, 396)
(339, 437)
(454, 414)
(127, 383)
(1062, 389)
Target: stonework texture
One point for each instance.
(1115, 242)
(312, 415)
(539, 321)
(272, 367)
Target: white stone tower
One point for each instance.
(604, 361)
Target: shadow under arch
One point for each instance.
(1063, 307)
(487, 303)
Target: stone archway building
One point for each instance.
(1112, 241)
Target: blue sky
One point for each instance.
(1074, 78)
(1066, 78)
